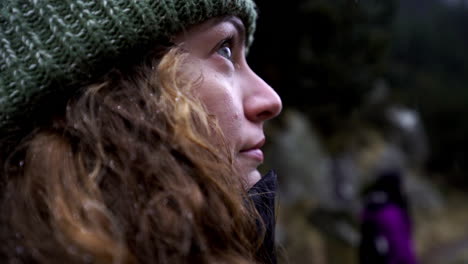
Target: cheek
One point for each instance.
(221, 102)
(229, 118)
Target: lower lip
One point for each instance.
(256, 154)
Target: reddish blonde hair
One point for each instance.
(129, 173)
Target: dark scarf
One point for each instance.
(263, 195)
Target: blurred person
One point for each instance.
(386, 224)
(131, 132)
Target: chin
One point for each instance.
(252, 177)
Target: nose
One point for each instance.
(261, 102)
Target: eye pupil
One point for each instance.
(225, 52)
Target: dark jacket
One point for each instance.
(263, 195)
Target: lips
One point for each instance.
(255, 152)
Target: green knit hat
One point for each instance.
(48, 46)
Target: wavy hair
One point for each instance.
(134, 171)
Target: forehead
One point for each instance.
(217, 25)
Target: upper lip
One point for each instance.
(258, 145)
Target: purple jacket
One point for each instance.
(387, 230)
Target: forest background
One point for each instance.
(367, 85)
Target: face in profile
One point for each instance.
(230, 90)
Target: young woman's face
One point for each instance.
(231, 91)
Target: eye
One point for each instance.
(225, 52)
(225, 49)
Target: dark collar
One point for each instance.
(263, 195)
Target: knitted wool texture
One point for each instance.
(47, 46)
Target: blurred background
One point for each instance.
(368, 86)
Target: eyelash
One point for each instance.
(227, 43)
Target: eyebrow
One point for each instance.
(238, 26)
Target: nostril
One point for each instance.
(270, 109)
(265, 115)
